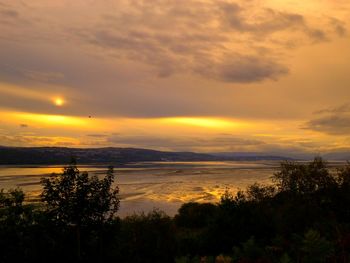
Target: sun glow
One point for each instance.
(50, 120)
(59, 102)
(201, 122)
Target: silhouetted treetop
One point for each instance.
(304, 178)
(73, 197)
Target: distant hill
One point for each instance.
(339, 156)
(113, 155)
(250, 156)
(329, 156)
(62, 155)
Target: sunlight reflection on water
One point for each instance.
(163, 185)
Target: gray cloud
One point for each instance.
(269, 20)
(142, 33)
(9, 13)
(246, 69)
(344, 108)
(338, 26)
(317, 35)
(334, 120)
(114, 59)
(174, 38)
(331, 124)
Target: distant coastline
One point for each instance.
(114, 155)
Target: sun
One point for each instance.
(59, 102)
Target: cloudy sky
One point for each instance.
(197, 75)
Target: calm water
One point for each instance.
(163, 185)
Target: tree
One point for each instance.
(343, 176)
(316, 248)
(258, 193)
(302, 178)
(16, 221)
(75, 198)
(11, 206)
(79, 200)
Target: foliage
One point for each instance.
(195, 215)
(79, 199)
(150, 238)
(11, 206)
(316, 248)
(302, 178)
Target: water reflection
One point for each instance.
(164, 185)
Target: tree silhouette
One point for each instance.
(300, 178)
(77, 198)
(11, 206)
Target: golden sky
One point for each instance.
(186, 75)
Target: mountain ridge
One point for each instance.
(112, 155)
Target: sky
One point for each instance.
(176, 75)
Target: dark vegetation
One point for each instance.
(303, 216)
